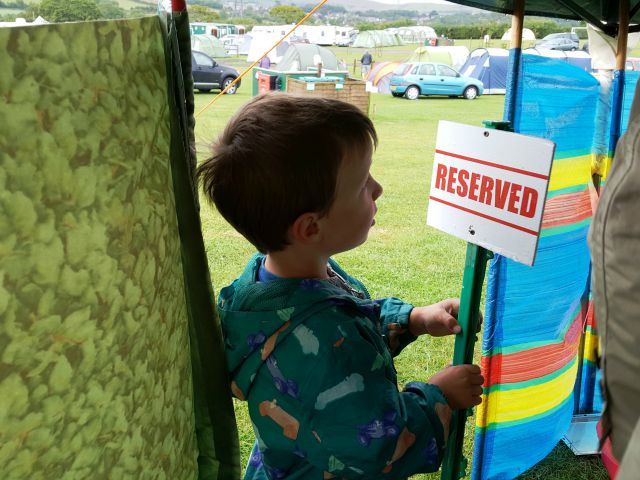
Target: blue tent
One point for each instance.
(578, 58)
(489, 65)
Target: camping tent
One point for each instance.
(413, 34)
(112, 355)
(244, 47)
(209, 44)
(526, 35)
(376, 38)
(489, 65)
(380, 75)
(578, 58)
(455, 56)
(261, 42)
(304, 56)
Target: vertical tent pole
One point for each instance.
(515, 54)
(618, 75)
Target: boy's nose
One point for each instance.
(377, 189)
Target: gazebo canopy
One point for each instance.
(600, 13)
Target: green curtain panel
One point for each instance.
(110, 362)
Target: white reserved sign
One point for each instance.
(488, 187)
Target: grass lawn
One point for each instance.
(403, 257)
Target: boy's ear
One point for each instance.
(305, 229)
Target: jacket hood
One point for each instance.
(257, 316)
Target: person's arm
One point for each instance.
(402, 323)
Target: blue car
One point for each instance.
(426, 78)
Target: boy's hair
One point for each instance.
(278, 158)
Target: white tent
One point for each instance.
(526, 35)
(603, 48)
(263, 41)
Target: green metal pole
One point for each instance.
(454, 464)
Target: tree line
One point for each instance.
(451, 26)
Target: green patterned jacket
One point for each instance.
(315, 364)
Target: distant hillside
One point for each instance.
(364, 5)
(350, 5)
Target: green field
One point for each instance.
(403, 257)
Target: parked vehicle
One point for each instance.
(426, 78)
(569, 35)
(565, 41)
(209, 74)
(563, 44)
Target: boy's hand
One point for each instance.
(437, 320)
(461, 384)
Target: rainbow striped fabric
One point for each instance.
(534, 315)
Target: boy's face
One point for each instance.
(352, 213)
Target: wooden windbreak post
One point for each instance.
(619, 74)
(517, 24)
(515, 55)
(623, 34)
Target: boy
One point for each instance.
(305, 345)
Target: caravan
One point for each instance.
(345, 36)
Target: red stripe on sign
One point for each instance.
(488, 217)
(491, 164)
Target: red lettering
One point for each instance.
(502, 189)
(452, 179)
(485, 190)
(474, 186)
(441, 181)
(514, 197)
(463, 176)
(529, 202)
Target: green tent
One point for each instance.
(110, 350)
(376, 39)
(304, 56)
(210, 45)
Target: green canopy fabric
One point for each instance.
(111, 362)
(600, 13)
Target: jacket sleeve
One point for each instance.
(346, 416)
(394, 320)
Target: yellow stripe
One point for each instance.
(590, 346)
(601, 164)
(509, 405)
(571, 171)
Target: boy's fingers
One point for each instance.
(477, 380)
(473, 368)
(476, 391)
(454, 326)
